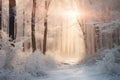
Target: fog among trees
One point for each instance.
(59, 39)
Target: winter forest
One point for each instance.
(59, 39)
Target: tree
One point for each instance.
(33, 26)
(47, 4)
(23, 29)
(24, 22)
(12, 14)
(0, 20)
(0, 15)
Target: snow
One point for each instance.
(36, 66)
(76, 73)
(106, 68)
(18, 65)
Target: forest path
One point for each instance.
(67, 72)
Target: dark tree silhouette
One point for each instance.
(0, 19)
(47, 4)
(0, 15)
(12, 14)
(23, 29)
(33, 26)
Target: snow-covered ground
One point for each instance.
(18, 65)
(78, 73)
(104, 67)
(70, 73)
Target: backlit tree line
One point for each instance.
(13, 23)
(95, 38)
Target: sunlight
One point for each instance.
(75, 14)
(70, 47)
(72, 13)
(69, 50)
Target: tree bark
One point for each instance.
(12, 14)
(0, 19)
(47, 3)
(23, 29)
(33, 26)
(0, 16)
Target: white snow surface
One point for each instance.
(104, 68)
(36, 66)
(78, 73)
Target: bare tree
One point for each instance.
(12, 14)
(23, 29)
(33, 26)
(0, 14)
(0, 20)
(23, 34)
(47, 4)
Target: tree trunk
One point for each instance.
(12, 14)
(47, 3)
(83, 27)
(0, 16)
(33, 26)
(0, 20)
(23, 29)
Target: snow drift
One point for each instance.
(105, 62)
(110, 62)
(18, 65)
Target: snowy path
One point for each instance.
(77, 73)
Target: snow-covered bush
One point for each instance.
(110, 62)
(106, 61)
(18, 65)
(6, 49)
(37, 64)
(9, 51)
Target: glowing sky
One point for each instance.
(64, 13)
